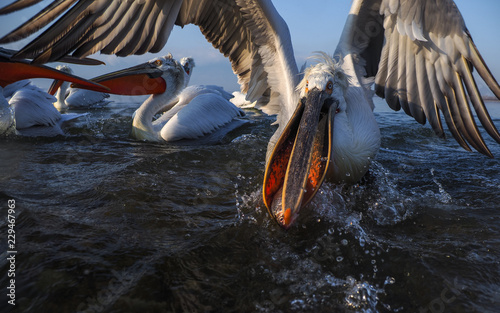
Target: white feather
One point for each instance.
(203, 115)
(33, 107)
(78, 98)
(81, 98)
(6, 114)
(193, 113)
(35, 114)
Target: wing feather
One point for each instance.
(61, 46)
(105, 31)
(138, 32)
(470, 127)
(37, 22)
(424, 80)
(391, 92)
(428, 47)
(477, 102)
(127, 24)
(54, 32)
(414, 108)
(250, 33)
(18, 5)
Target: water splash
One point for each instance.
(361, 295)
(443, 197)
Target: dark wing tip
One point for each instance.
(18, 5)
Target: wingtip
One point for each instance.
(483, 70)
(17, 5)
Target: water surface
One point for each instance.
(105, 223)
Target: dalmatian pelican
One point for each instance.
(187, 112)
(418, 55)
(75, 98)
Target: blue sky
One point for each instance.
(315, 25)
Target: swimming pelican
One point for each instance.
(189, 113)
(76, 98)
(418, 54)
(29, 109)
(34, 113)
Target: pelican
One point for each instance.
(189, 113)
(29, 110)
(34, 113)
(76, 98)
(418, 55)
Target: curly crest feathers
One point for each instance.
(327, 65)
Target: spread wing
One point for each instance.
(250, 33)
(7, 54)
(422, 57)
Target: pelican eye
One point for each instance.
(158, 62)
(329, 87)
(307, 86)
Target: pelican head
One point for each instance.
(301, 158)
(64, 68)
(188, 65)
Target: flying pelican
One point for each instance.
(76, 98)
(29, 109)
(189, 113)
(418, 54)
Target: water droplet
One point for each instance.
(340, 258)
(362, 242)
(389, 280)
(344, 242)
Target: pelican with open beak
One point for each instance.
(312, 146)
(187, 113)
